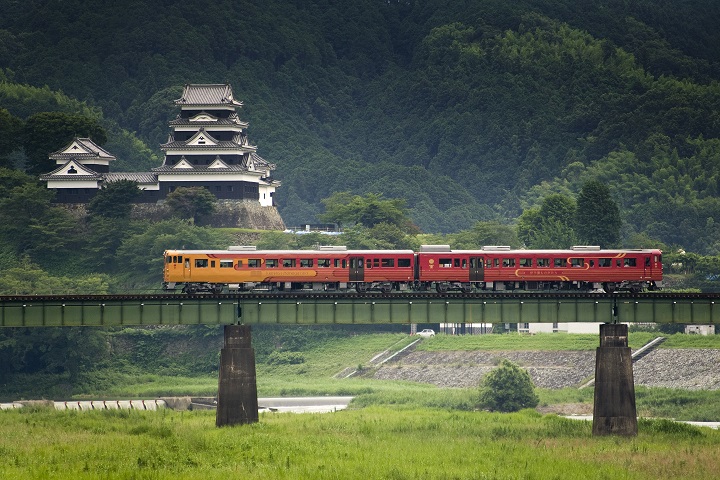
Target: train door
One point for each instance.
(647, 269)
(357, 269)
(186, 269)
(477, 274)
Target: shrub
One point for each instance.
(508, 388)
(285, 358)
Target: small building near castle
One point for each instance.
(207, 147)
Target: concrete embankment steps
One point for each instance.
(378, 360)
(636, 355)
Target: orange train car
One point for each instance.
(325, 269)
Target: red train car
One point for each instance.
(499, 268)
(328, 268)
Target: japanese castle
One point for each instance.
(208, 147)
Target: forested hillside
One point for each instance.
(468, 110)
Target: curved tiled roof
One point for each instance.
(204, 170)
(84, 147)
(139, 177)
(207, 94)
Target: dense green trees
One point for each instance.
(465, 110)
(47, 132)
(114, 200)
(191, 203)
(598, 216)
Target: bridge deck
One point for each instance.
(330, 308)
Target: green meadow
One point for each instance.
(392, 430)
(365, 443)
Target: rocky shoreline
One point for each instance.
(690, 369)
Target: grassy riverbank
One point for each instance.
(375, 442)
(322, 364)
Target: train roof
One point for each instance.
(555, 252)
(328, 252)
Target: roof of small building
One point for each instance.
(73, 170)
(82, 148)
(207, 94)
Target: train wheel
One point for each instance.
(217, 288)
(360, 288)
(441, 287)
(467, 288)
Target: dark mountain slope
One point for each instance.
(461, 108)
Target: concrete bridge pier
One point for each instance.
(614, 411)
(237, 401)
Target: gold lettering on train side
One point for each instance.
(293, 273)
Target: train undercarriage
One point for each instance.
(439, 287)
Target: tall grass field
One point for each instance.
(367, 443)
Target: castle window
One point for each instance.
(72, 170)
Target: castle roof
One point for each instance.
(207, 94)
(73, 170)
(204, 119)
(82, 148)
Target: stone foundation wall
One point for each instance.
(229, 213)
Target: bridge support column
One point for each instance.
(237, 401)
(614, 412)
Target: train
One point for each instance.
(433, 268)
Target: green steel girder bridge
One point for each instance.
(346, 308)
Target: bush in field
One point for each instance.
(508, 388)
(285, 358)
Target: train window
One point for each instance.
(323, 262)
(336, 263)
(543, 262)
(289, 263)
(170, 259)
(577, 262)
(239, 264)
(403, 262)
(508, 262)
(445, 263)
(201, 263)
(560, 262)
(179, 259)
(187, 263)
(212, 263)
(376, 262)
(464, 263)
(647, 261)
(254, 262)
(368, 263)
(306, 262)
(388, 262)
(630, 262)
(271, 262)
(226, 264)
(526, 262)
(496, 262)
(605, 262)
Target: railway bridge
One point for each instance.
(614, 409)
